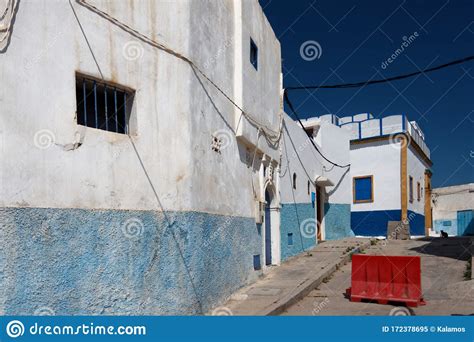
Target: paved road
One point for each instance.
(443, 264)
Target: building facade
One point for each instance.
(137, 150)
(390, 173)
(315, 194)
(453, 209)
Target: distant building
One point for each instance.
(390, 171)
(453, 209)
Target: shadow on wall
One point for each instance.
(333, 190)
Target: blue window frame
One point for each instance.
(363, 189)
(253, 54)
(103, 106)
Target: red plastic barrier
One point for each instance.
(386, 278)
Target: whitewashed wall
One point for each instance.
(298, 156)
(382, 160)
(334, 142)
(448, 200)
(175, 111)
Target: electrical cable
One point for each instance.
(169, 222)
(290, 105)
(383, 80)
(11, 7)
(6, 9)
(294, 200)
(270, 134)
(296, 154)
(361, 84)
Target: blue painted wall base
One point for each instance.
(450, 226)
(116, 262)
(374, 223)
(291, 217)
(337, 221)
(417, 223)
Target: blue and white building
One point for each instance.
(453, 210)
(315, 195)
(390, 171)
(129, 183)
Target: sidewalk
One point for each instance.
(284, 285)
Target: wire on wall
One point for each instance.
(272, 136)
(292, 108)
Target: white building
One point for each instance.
(130, 182)
(453, 209)
(390, 171)
(315, 194)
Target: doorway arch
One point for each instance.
(271, 238)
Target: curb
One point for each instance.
(308, 285)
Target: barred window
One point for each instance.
(103, 105)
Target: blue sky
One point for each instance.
(357, 36)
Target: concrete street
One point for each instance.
(283, 286)
(445, 288)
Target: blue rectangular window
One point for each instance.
(363, 189)
(253, 54)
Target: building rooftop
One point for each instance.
(364, 126)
